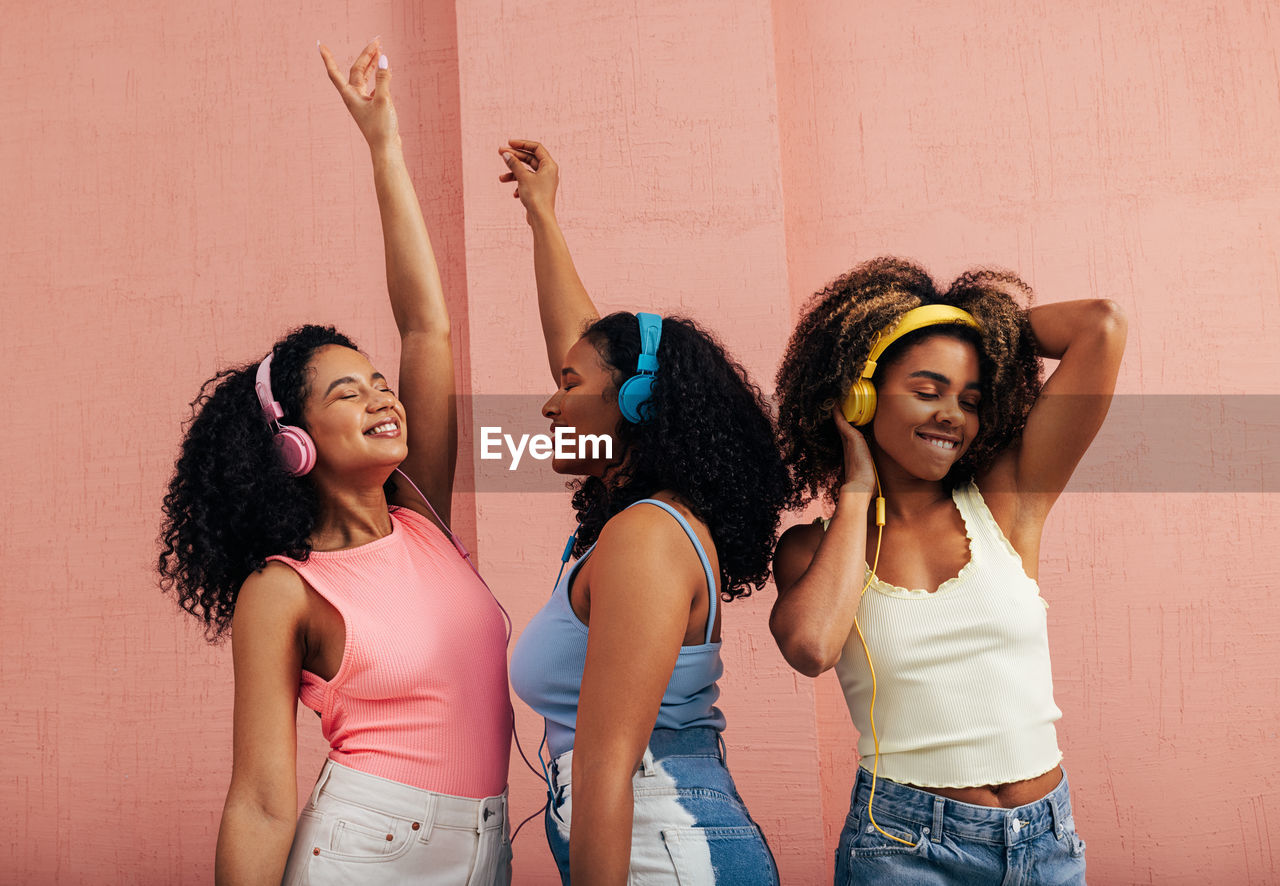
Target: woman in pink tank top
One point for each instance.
(285, 529)
(921, 414)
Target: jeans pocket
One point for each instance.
(738, 855)
(358, 834)
(558, 804)
(867, 841)
(354, 838)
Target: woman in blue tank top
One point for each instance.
(681, 513)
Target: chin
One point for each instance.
(930, 471)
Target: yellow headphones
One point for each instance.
(860, 406)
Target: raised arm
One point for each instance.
(1088, 337)
(426, 386)
(643, 572)
(820, 574)
(261, 809)
(563, 303)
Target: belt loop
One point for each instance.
(724, 749)
(936, 835)
(1056, 813)
(646, 763)
(428, 818)
(320, 783)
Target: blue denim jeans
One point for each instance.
(956, 844)
(689, 825)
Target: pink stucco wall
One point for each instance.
(181, 184)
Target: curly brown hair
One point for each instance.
(833, 339)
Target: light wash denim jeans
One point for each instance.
(360, 828)
(689, 826)
(957, 844)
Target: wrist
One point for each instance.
(542, 218)
(854, 494)
(389, 150)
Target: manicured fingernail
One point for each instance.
(382, 63)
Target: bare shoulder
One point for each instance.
(802, 537)
(794, 553)
(645, 531)
(272, 597)
(651, 550)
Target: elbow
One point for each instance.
(810, 661)
(264, 804)
(1110, 320)
(430, 332)
(808, 654)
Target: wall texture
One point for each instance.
(181, 185)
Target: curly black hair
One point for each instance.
(230, 503)
(709, 439)
(833, 339)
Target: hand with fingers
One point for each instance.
(535, 174)
(859, 469)
(371, 108)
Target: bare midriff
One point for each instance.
(1003, 796)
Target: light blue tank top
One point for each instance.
(547, 664)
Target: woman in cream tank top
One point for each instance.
(921, 414)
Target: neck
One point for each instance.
(906, 495)
(350, 515)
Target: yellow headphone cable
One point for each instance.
(875, 737)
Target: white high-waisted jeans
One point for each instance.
(360, 828)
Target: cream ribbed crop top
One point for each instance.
(965, 690)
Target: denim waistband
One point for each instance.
(696, 741)
(405, 801)
(942, 815)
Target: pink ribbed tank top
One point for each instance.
(421, 695)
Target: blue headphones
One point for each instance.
(633, 396)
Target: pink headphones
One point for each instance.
(296, 449)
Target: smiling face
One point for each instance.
(586, 401)
(357, 423)
(927, 406)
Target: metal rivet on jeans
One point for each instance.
(925, 831)
(390, 837)
(416, 825)
(315, 851)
